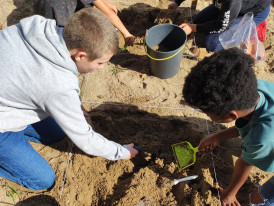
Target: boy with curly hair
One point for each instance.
(39, 96)
(225, 88)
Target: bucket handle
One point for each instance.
(163, 58)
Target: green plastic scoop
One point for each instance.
(185, 154)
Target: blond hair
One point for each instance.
(89, 29)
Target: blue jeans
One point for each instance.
(20, 163)
(266, 191)
(210, 13)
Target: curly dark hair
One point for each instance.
(222, 82)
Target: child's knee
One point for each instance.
(263, 195)
(212, 43)
(58, 136)
(42, 181)
(255, 198)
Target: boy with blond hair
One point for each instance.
(39, 96)
(224, 87)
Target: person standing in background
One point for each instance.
(62, 10)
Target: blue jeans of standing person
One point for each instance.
(266, 191)
(210, 13)
(20, 163)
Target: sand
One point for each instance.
(127, 104)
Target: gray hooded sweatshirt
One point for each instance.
(38, 79)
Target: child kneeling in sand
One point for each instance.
(225, 88)
(222, 15)
(39, 96)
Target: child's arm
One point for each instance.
(65, 108)
(227, 13)
(110, 12)
(189, 28)
(111, 6)
(240, 174)
(211, 141)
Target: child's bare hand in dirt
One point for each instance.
(172, 6)
(208, 144)
(228, 199)
(129, 40)
(188, 28)
(133, 152)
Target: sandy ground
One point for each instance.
(126, 105)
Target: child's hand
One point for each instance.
(129, 40)
(188, 28)
(208, 144)
(228, 199)
(172, 6)
(133, 152)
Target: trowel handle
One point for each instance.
(176, 181)
(139, 148)
(195, 149)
